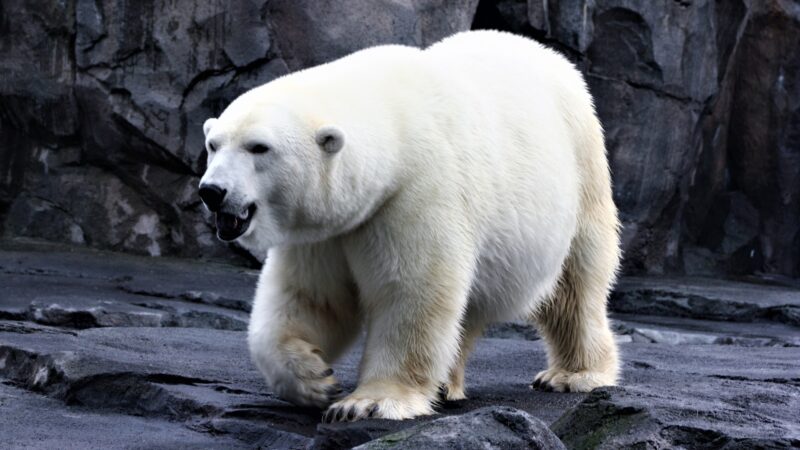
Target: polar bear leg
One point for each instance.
(582, 353)
(411, 344)
(454, 388)
(304, 315)
(413, 285)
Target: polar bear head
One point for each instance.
(277, 174)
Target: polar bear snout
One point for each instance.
(232, 220)
(212, 195)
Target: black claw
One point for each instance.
(372, 410)
(339, 415)
(442, 392)
(327, 373)
(326, 418)
(537, 382)
(547, 387)
(351, 415)
(566, 388)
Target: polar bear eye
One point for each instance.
(211, 147)
(258, 148)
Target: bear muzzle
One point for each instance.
(231, 226)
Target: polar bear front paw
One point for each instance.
(300, 375)
(316, 392)
(559, 380)
(379, 401)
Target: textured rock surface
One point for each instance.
(486, 428)
(688, 381)
(711, 299)
(700, 102)
(81, 290)
(34, 421)
(101, 103)
(692, 397)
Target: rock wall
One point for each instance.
(701, 101)
(102, 101)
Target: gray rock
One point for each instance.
(486, 428)
(33, 421)
(311, 32)
(176, 373)
(646, 184)
(60, 301)
(79, 290)
(707, 299)
(709, 193)
(200, 376)
(765, 130)
(718, 412)
(680, 330)
(692, 396)
(349, 435)
(512, 330)
(101, 142)
(738, 388)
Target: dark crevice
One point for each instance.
(199, 78)
(147, 292)
(12, 315)
(658, 92)
(168, 378)
(137, 394)
(789, 381)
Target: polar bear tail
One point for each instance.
(574, 323)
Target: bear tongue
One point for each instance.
(227, 221)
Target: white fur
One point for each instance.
(467, 176)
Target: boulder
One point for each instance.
(495, 427)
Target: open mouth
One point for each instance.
(231, 226)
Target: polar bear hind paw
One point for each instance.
(559, 380)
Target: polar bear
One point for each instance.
(418, 195)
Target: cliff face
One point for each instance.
(102, 101)
(700, 101)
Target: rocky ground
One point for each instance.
(102, 350)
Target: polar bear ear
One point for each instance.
(330, 138)
(208, 124)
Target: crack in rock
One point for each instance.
(670, 303)
(139, 395)
(128, 392)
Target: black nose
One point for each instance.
(212, 196)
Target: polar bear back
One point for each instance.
(526, 113)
